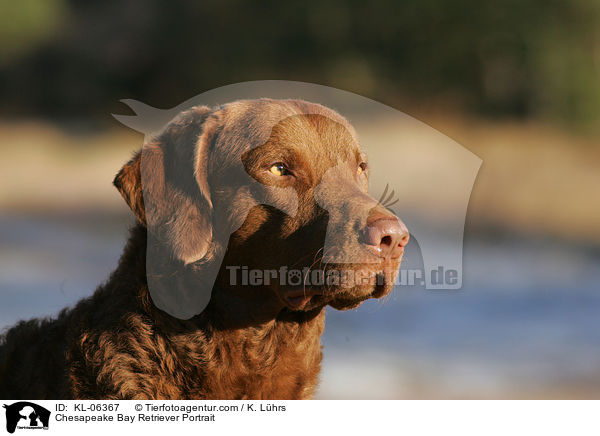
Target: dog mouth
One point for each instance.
(366, 281)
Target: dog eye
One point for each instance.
(279, 169)
(362, 167)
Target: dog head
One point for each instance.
(261, 186)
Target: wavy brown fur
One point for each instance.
(117, 345)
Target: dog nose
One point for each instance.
(388, 235)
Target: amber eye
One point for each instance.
(279, 169)
(362, 167)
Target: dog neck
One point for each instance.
(230, 307)
(245, 344)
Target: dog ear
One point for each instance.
(128, 183)
(166, 185)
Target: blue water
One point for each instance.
(525, 324)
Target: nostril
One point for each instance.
(386, 240)
(404, 240)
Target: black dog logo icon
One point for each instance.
(26, 415)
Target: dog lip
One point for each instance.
(297, 302)
(297, 299)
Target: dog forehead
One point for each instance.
(290, 124)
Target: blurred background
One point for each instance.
(515, 82)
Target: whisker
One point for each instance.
(315, 260)
(390, 196)
(387, 185)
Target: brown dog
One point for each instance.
(264, 185)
